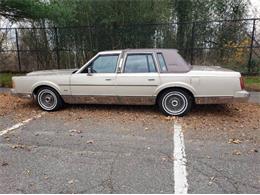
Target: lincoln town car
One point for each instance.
(158, 77)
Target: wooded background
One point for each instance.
(51, 34)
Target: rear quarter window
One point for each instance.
(162, 63)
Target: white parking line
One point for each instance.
(16, 126)
(180, 173)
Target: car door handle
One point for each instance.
(108, 79)
(151, 79)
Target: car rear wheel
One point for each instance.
(175, 102)
(48, 99)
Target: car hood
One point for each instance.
(52, 72)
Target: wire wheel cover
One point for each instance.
(175, 103)
(47, 99)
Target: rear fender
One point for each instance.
(175, 84)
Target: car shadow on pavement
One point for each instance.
(203, 110)
(113, 108)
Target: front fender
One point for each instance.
(175, 84)
(46, 83)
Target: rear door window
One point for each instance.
(139, 63)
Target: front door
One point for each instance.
(97, 86)
(139, 79)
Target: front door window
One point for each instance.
(104, 64)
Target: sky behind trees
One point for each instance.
(84, 12)
(116, 24)
(255, 8)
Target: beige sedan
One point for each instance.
(134, 76)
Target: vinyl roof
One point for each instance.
(150, 49)
(138, 50)
(174, 61)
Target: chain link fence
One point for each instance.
(232, 44)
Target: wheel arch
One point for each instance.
(174, 88)
(39, 85)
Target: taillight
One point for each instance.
(242, 83)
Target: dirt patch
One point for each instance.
(17, 108)
(241, 120)
(234, 121)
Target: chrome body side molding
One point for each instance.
(220, 100)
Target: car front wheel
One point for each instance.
(175, 102)
(48, 99)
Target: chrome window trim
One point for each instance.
(120, 62)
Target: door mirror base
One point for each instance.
(89, 71)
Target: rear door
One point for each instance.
(139, 78)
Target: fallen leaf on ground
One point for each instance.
(27, 171)
(18, 146)
(164, 159)
(71, 181)
(4, 164)
(236, 152)
(75, 131)
(211, 180)
(254, 150)
(234, 141)
(90, 141)
(170, 118)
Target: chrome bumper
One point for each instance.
(21, 95)
(240, 96)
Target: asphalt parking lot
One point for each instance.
(123, 149)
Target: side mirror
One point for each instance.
(89, 71)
